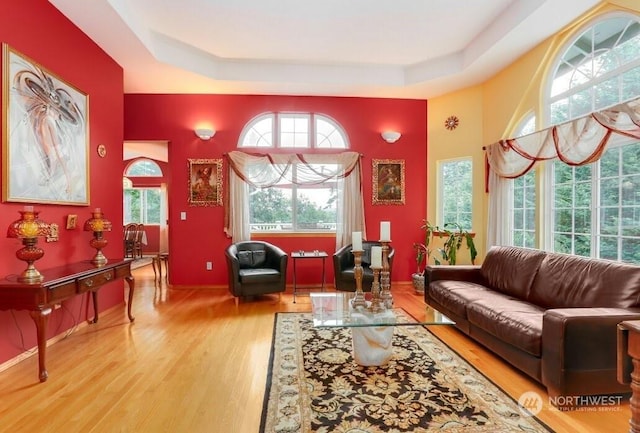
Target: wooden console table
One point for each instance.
(61, 283)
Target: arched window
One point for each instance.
(594, 210)
(141, 205)
(293, 130)
(295, 205)
(143, 168)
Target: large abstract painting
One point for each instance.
(45, 135)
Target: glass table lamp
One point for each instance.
(98, 224)
(29, 228)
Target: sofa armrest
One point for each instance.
(469, 273)
(580, 339)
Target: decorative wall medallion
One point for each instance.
(451, 123)
(102, 150)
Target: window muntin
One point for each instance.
(294, 130)
(288, 207)
(329, 135)
(523, 197)
(456, 192)
(594, 209)
(142, 205)
(258, 132)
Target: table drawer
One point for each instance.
(94, 281)
(61, 292)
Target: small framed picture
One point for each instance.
(388, 181)
(72, 220)
(205, 182)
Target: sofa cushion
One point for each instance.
(455, 295)
(515, 322)
(259, 275)
(573, 281)
(512, 270)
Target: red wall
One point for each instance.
(36, 29)
(200, 238)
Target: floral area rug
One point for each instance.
(314, 385)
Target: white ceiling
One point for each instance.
(378, 48)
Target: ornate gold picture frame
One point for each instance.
(45, 135)
(388, 181)
(205, 182)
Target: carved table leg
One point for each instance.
(41, 318)
(131, 282)
(94, 296)
(634, 403)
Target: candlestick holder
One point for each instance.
(385, 283)
(358, 299)
(377, 305)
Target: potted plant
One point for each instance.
(453, 241)
(423, 254)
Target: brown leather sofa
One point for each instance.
(551, 315)
(256, 268)
(343, 264)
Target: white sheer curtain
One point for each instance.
(578, 142)
(163, 246)
(263, 171)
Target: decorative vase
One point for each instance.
(418, 282)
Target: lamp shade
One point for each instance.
(28, 226)
(205, 133)
(97, 223)
(391, 136)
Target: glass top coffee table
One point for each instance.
(372, 333)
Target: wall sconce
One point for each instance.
(29, 228)
(98, 224)
(391, 136)
(205, 133)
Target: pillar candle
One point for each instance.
(385, 231)
(356, 241)
(376, 257)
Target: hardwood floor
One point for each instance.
(193, 362)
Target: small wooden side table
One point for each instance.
(301, 255)
(629, 346)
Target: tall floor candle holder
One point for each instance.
(376, 301)
(358, 299)
(385, 282)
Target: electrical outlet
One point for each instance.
(183, 216)
(209, 266)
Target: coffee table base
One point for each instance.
(372, 346)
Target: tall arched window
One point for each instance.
(296, 203)
(594, 210)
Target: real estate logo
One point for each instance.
(530, 403)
